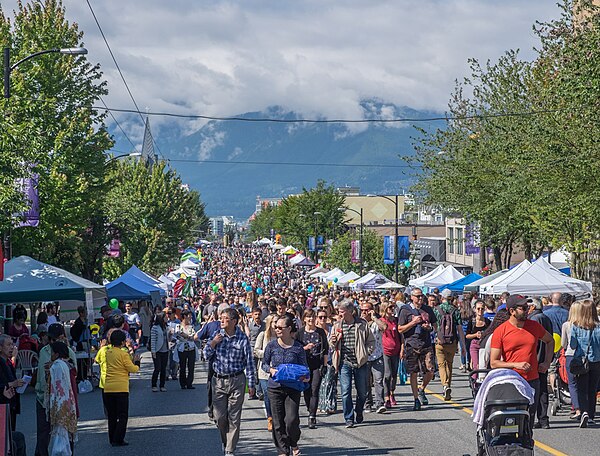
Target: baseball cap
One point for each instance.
(517, 301)
(55, 330)
(446, 293)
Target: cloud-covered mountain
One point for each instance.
(230, 187)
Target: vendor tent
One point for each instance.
(486, 288)
(315, 271)
(289, 250)
(263, 241)
(189, 264)
(474, 286)
(459, 285)
(418, 282)
(306, 262)
(177, 273)
(346, 278)
(448, 275)
(370, 281)
(389, 286)
(28, 280)
(277, 247)
(333, 274)
(134, 284)
(540, 278)
(296, 259)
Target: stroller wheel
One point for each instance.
(553, 408)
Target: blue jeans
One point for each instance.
(361, 376)
(264, 385)
(573, 386)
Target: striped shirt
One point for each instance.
(349, 344)
(232, 355)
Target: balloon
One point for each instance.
(557, 342)
(407, 263)
(94, 329)
(215, 288)
(113, 303)
(259, 291)
(248, 288)
(335, 280)
(309, 288)
(244, 284)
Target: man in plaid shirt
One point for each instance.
(232, 359)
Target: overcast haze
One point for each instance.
(319, 58)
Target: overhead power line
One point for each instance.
(276, 163)
(329, 121)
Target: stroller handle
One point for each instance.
(479, 371)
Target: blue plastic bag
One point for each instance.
(289, 375)
(402, 374)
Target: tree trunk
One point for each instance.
(591, 267)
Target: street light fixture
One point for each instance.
(316, 217)
(116, 157)
(360, 253)
(8, 67)
(395, 201)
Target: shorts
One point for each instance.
(419, 360)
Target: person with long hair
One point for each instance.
(569, 352)
(328, 391)
(116, 387)
(285, 401)
(466, 315)
(314, 340)
(262, 341)
(392, 352)
(8, 378)
(474, 332)
(585, 340)
(159, 347)
(186, 350)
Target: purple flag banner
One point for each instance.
(114, 249)
(471, 240)
(355, 251)
(29, 187)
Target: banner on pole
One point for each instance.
(311, 244)
(389, 245)
(320, 243)
(471, 239)
(29, 187)
(355, 251)
(403, 248)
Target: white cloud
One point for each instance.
(317, 58)
(208, 144)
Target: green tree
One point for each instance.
(52, 101)
(262, 223)
(151, 213)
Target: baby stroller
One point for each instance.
(504, 428)
(562, 397)
(476, 379)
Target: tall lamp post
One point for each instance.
(360, 253)
(316, 216)
(116, 157)
(396, 262)
(8, 67)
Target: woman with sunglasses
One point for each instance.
(285, 401)
(263, 339)
(314, 340)
(475, 328)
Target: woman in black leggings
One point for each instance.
(159, 346)
(315, 345)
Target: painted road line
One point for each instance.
(540, 445)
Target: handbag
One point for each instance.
(580, 365)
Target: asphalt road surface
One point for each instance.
(175, 423)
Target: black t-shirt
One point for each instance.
(472, 328)
(416, 337)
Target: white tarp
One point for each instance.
(346, 278)
(539, 279)
(485, 289)
(419, 281)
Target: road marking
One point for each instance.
(538, 444)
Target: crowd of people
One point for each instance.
(271, 333)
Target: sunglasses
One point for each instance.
(322, 316)
(322, 308)
(281, 328)
(479, 308)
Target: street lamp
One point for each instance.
(316, 216)
(116, 157)
(360, 253)
(395, 201)
(8, 67)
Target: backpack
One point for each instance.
(446, 327)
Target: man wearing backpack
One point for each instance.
(449, 329)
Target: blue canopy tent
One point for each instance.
(459, 285)
(133, 284)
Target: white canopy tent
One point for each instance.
(263, 241)
(346, 278)
(389, 286)
(296, 259)
(316, 271)
(448, 275)
(189, 264)
(420, 281)
(277, 247)
(370, 281)
(333, 274)
(176, 274)
(474, 286)
(485, 288)
(537, 279)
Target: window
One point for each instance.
(460, 241)
(450, 240)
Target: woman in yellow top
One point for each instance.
(118, 366)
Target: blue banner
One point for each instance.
(311, 244)
(320, 243)
(388, 249)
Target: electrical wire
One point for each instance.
(137, 109)
(118, 124)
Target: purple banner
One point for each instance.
(114, 249)
(29, 187)
(471, 240)
(355, 251)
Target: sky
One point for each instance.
(318, 58)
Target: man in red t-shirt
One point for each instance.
(515, 343)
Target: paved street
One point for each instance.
(176, 422)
